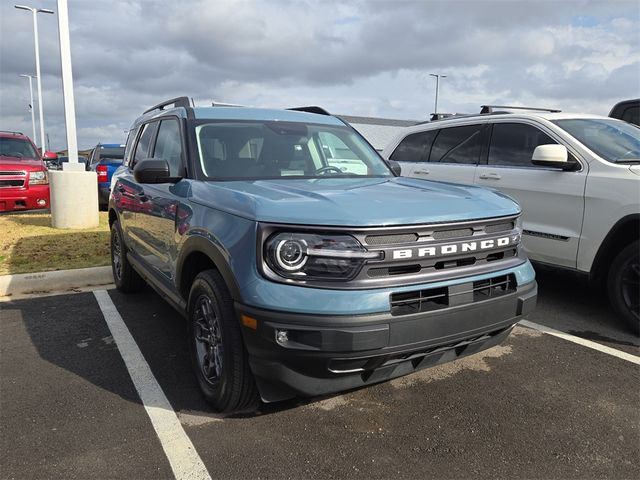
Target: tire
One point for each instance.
(624, 285)
(218, 355)
(127, 280)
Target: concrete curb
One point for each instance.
(59, 280)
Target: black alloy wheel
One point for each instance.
(208, 340)
(218, 355)
(124, 276)
(624, 285)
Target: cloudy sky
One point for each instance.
(352, 57)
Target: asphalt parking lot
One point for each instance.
(537, 406)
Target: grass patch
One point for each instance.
(28, 244)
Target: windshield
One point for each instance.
(613, 140)
(260, 150)
(17, 147)
(112, 152)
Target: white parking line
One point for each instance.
(183, 457)
(581, 341)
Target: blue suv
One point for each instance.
(303, 264)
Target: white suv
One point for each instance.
(577, 178)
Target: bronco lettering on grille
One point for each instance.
(453, 248)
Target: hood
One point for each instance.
(16, 163)
(635, 169)
(353, 202)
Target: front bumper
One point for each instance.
(24, 198)
(330, 353)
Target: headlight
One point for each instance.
(519, 230)
(38, 178)
(307, 256)
(519, 222)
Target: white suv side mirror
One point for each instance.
(554, 156)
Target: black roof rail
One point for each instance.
(311, 109)
(12, 132)
(490, 108)
(176, 102)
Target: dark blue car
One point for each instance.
(303, 264)
(104, 159)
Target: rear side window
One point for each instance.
(457, 145)
(414, 147)
(142, 148)
(169, 146)
(632, 115)
(513, 144)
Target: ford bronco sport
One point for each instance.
(300, 274)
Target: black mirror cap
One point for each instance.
(152, 170)
(395, 167)
(569, 166)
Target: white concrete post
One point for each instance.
(74, 192)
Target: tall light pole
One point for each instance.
(438, 77)
(31, 107)
(67, 83)
(35, 12)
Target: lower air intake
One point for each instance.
(406, 303)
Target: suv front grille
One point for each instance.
(391, 239)
(18, 179)
(499, 227)
(448, 234)
(11, 183)
(426, 253)
(439, 232)
(417, 301)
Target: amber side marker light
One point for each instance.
(249, 322)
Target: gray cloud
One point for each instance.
(359, 57)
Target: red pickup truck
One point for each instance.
(24, 183)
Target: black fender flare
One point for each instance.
(202, 244)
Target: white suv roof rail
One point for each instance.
(491, 108)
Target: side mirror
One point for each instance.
(395, 167)
(49, 156)
(552, 156)
(153, 170)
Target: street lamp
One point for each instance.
(31, 107)
(67, 85)
(438, 77)
(35, 12)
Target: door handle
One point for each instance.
(421, 172)
(490, 176)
